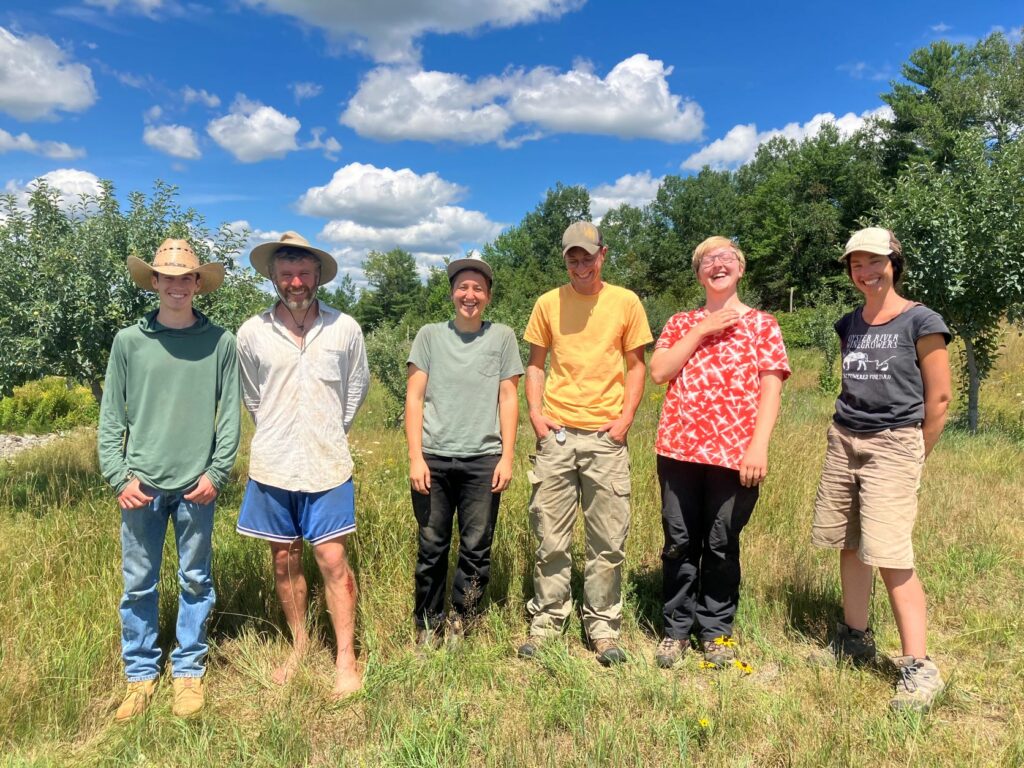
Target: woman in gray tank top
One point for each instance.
(896, 388)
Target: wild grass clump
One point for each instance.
(51, 404)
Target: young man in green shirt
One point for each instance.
(168, 434)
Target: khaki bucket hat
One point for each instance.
(260, 256)
(175, 257)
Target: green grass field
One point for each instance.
(61, 677)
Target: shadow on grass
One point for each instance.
(811, 608)
(643, 593)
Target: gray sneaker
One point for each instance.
(720, 652)
(669, 652)
(920, 682)
(850, 646)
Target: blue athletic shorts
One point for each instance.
(284, 516)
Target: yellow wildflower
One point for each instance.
(742, 666)
(704, 723)
(708, 665)
(726, 642)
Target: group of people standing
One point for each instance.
(301, 368)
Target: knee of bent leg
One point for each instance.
(287, 559)
(331, 560)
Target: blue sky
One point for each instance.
(432, 125)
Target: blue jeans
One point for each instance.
(142, 542)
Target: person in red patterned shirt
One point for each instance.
(725, 364)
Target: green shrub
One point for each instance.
(48, 405)
(794, 327)
(387, 349)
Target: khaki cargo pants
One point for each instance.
(589, 470)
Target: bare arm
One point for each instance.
(938, 387)
(618, 428)
(754, 465)
(667, 363)
(508, 419)
(415, 390)
(535, 392)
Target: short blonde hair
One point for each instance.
(711, 244)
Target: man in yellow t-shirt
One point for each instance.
(596, 335)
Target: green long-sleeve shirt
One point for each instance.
(170, 409)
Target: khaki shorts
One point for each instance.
(867, 496)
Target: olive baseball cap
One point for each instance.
(471, 262)
(583, 235)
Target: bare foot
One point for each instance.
(346, 682)
(284, 673)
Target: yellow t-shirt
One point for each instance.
(588, 337)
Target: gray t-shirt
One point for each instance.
(882, 387)
(460, 407)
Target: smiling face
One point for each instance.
(871, 273)
(470, 295)
(720, 270)
(585, 269)
(296, 281)
(176, 291)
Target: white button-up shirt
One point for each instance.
(303, 399)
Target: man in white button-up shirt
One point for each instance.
(304, 375)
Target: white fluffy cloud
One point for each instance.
(632, 101)
(25, 143)
(388, 31)
(37, 78)
(190, 96)
(303, 91)
(378, 197)
(254, 132)
(441, 233)
(374, 208)
(70, 184)
(146, 7)
(740, 144)
(637, 189)
(174, 140)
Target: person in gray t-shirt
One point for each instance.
(889, 415)
(461, 415)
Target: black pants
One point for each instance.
(462, 485)
(703, 510)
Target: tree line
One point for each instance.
(946, 173)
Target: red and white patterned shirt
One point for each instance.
(711, 405)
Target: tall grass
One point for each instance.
(61, 676)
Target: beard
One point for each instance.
(295, 303)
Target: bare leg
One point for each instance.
(290, 582)
(856, 578)
(906, 596)
(340, 590)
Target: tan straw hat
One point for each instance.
(175, 257)
(260, 256)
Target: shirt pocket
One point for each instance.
(330, 365)
(490, 364)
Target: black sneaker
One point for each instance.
(608, 651)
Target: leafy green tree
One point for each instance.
(66, 291)
(961, 223)
(393, 288)
(342, 297)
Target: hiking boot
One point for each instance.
(721, 651)
(138, 697)
(669, 652)
(608, 651)
(531, 647)
(428, 639)
(454, 630)
(188, 696)
(849, 646)
(920, 682)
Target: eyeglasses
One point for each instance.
(725, 259)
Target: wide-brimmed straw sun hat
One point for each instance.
(260, 256)
(175, 257)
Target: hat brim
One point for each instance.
(877, 250)
(477, 265)
(259, 257)
(210, 275)
(586, 245)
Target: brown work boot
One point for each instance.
(138, 697)
(188, 696)
(608, 651)
(669, 652)
(719, 652)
